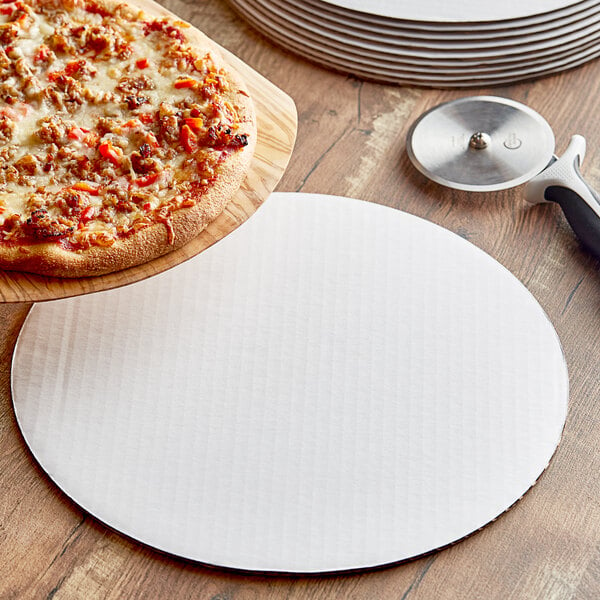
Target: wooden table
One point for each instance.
(351, 142)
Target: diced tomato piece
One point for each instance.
(84, 186)
(54, 75)
(147, 206)
(7, 10)
(142, 63)
(195, 123)
(189, 139)
(147, 180)
(146, 118)
(77, 133)
(74, 66)
(152, 141)
(185, 82)
(96, 9)
(87, 214)
(69, 70)
(112, 153)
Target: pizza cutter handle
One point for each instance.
(562, 182)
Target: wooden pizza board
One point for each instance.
(277, 122)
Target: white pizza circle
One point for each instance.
(335, 385)
(466, 11)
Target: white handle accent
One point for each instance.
(563, 172)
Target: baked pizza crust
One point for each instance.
(53, 259)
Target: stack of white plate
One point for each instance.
(472, 43)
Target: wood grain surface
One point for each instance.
(351, 141)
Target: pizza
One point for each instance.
(123, 134)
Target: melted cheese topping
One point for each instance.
(107, 120)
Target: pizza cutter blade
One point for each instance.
(488, 143)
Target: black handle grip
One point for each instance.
(582, 218)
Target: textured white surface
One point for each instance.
(462, 29)
(511, 40)
(395, 51)
(335, 385)
(463, 11)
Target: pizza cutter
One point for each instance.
(488, 143)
